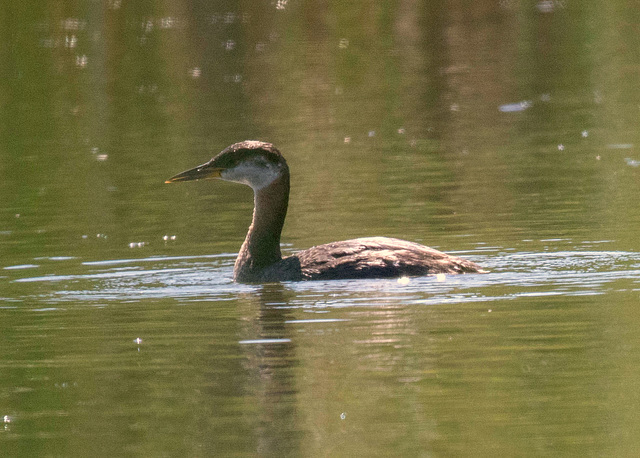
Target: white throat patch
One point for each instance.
(253, 174)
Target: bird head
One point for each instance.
(253, 163)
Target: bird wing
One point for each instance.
(377, 257)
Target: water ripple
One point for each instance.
(185, 278)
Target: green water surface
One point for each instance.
(503, 131)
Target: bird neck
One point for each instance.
(261, 247)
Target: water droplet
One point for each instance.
(70, 41)
(515, 107)
(168, 22)
(597, 97)
(82, 61)
(545, 6)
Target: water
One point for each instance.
(501, 132)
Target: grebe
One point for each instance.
(261, 166)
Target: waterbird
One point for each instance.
(262, 167)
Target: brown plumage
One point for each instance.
(261, 166)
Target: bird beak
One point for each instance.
(202, 172)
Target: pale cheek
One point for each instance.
(255, 177)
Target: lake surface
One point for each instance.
(504, 132)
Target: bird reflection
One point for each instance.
(271, 368)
